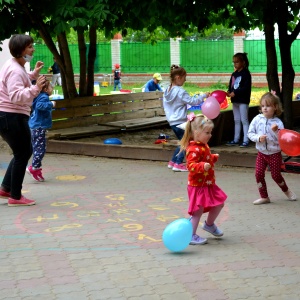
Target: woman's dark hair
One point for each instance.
(242, 57)
(18, 43)
(176, 70)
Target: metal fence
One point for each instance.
(195, 56)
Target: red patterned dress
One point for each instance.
(202, 189)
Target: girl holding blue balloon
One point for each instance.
(204, 194)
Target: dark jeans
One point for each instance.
(178, 157)
(15, 131)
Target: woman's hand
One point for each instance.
(207, 166)
(38, 66)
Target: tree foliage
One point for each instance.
(53, 20)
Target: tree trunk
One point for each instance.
(288, 73)
(82, 57)
(68, 74)
(91, 60)
(272, 69)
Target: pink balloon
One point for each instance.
(211, 107)
(289, 142)
(219, 95)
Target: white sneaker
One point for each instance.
(262, 201)
(291, 195)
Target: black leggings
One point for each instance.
(15, 131)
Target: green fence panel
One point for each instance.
(257, 57)
(145, 58)
(206, 56)
(295, 55)
(256, 50)
(42, 53)
(103, 63)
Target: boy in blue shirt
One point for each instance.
(153, 84)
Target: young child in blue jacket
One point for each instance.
(40, 120)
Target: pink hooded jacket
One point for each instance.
(16, 89)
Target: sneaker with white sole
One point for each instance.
(213, 229)
(171, 164)
(262, 201)
(180, 168)
(4, 194)
(197, 240)
(21, 202)
(291, 195)
(35, 174)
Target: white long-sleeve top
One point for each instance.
(259, 126)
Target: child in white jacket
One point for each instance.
(263, 130)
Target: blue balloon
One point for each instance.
(177, 235)
(112, 141)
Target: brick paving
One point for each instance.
(96, 232)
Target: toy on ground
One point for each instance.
(177, 235)
(211, 107)
(112, 141)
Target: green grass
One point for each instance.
(189, 87)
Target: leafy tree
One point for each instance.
(53, 19)
(265, 14)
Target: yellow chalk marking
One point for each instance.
(70, 177)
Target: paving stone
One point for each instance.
(100, 236)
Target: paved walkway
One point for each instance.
(96, 231)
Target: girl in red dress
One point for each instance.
(204, 194)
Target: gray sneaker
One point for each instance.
(197, 240)
(213, 229)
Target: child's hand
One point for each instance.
(217, 154)
(207, 94)
(262, 138)
(274, 127)
(54, 103)
(41, 82)
(207, 166)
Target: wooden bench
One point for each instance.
(88, 116)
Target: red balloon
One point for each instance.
(219, 95)
(224, 104)
(211, 107)
(289, 142)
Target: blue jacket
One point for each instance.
(41, 116)
(151, 86)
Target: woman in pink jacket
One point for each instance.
(16, 95)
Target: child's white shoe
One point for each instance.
(262, 201)
(291, 195)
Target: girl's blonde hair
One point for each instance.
(271, 99)
(176, 71)
(198, 122)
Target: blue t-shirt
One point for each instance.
(151, 86)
